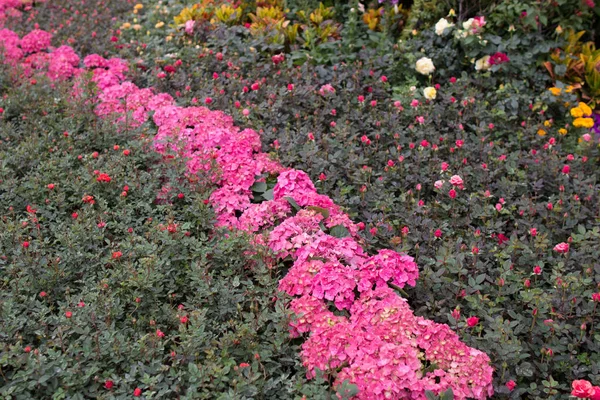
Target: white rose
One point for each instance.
(425, 66)
(483, 64)
(441, 26)
(468, 24)
(430, 93)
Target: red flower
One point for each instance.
(455, 314)
(43, 294)
(502, 238)
(244, 365)
(74, 215)
(511, 385)
(88, 199)
(103, 178)
(562, 247)
(27, 349)
(438, 233)
(126, 152)
(116, 255)
(498, 58)
(137, 392)
(68, 314)
(582, 389)
(51, 186)
(361, 98)
(109, 384)
(25, 244)
(278, 58)
(537, 270)
(472, 321)
(566, 169)
(160, 333)
(596, 297)
(184, 319)
(452, 193)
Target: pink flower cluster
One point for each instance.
(33, 53)
(380, 345)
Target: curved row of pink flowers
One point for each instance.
(380, 346)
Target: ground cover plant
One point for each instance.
(464, 142)
(112, 287)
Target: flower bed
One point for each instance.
(318, 238)
(486, 178)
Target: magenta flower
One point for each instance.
(562, 247)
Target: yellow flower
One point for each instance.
(562, 131)
(555, 91)
(541, 132)
(587, 111)
(583, 123)
(569, 89)
(547, 124)
(576, 112)
(126, 25)
(138, 6)
(430, 93)
(159, 25)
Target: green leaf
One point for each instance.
(268, 195)
(347, 390)
(447, 395)
(480, 278)
(430, 395)
(259, 187)
(323, 211)
(293, 203)
(339, 231)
